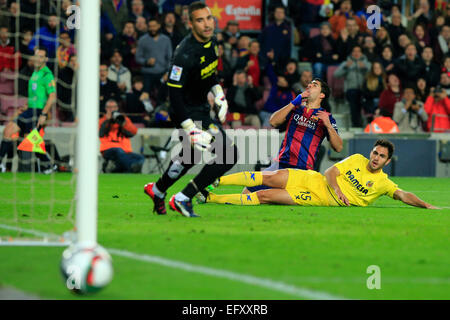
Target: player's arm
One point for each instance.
(411, 199)
(331, 174)
(334, 138)
(280, 116)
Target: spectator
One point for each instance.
(108, 88)
(421, 36)
(387, 58)
(175, 5)
(409, 113)
(141, 27)
(423, 15)
(126, 43)
(115, 132)
(277, 37)
(338, 21)
(231, 34)
(280, 93)
(369, 48)
(410, 66)
(169, 29)
(65, 49)
(25, 75)
(391, 95)
(47, 36)
(422, 90)
(322, 51)
(382, 123)
(8, 59)
(353, 70)
(138, 103)
(65, 88)
(436, 27)
(396, 10)
(243, 45)
(291, 72)
(24, 50)
(119, 73)
(349, 37)
(382, 39)
(251, 63)
(305, 78)
(395, 29)
(117, 12)
(441, 47)
(437, 106)
(241, 97)
(28, 9)
(224, 69)
(432, 71)
(185, 27)
(403, 42)
(107, 29)
(374, 84)
(138, 10)
(445, 82)
(154, 52)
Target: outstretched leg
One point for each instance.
(273, 179)
(269, 196)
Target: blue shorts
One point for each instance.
(28, 120)
(273, 167)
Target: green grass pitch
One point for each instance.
(322, 249)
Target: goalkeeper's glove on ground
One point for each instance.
(200, 139)
(220, 102)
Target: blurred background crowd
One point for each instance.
(398, 73)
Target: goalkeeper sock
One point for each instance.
(248, 199)
(244, 178)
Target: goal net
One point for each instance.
(39, 195)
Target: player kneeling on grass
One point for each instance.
(355, 181)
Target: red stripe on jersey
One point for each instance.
(283, 148)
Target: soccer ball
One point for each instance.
(86, 269)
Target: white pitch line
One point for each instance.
(219, 273)
(248, 279)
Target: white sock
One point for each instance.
(181, 197)
(158, 193)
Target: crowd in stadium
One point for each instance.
(398, 74)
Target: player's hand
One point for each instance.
(325, 117)
(41, 120)
(430, 206)
(201, 140)
(342, 197)
(220, 102)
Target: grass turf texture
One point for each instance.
(319, 248)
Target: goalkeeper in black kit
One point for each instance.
(192, 76)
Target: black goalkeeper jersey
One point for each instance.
(192, 74)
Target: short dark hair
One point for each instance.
(325, 89)
(387, 144)
(41, 48)
(194, 6)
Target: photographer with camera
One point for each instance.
(437, 106)
(409, 113)
(116, 130)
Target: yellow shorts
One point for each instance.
(309, 188)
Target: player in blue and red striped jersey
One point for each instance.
(307, 125)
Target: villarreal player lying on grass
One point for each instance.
(355, 181)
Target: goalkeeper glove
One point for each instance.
(200, 139)
(220, 102)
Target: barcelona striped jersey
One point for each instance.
(304, 135)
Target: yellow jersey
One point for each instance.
(359, 185)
